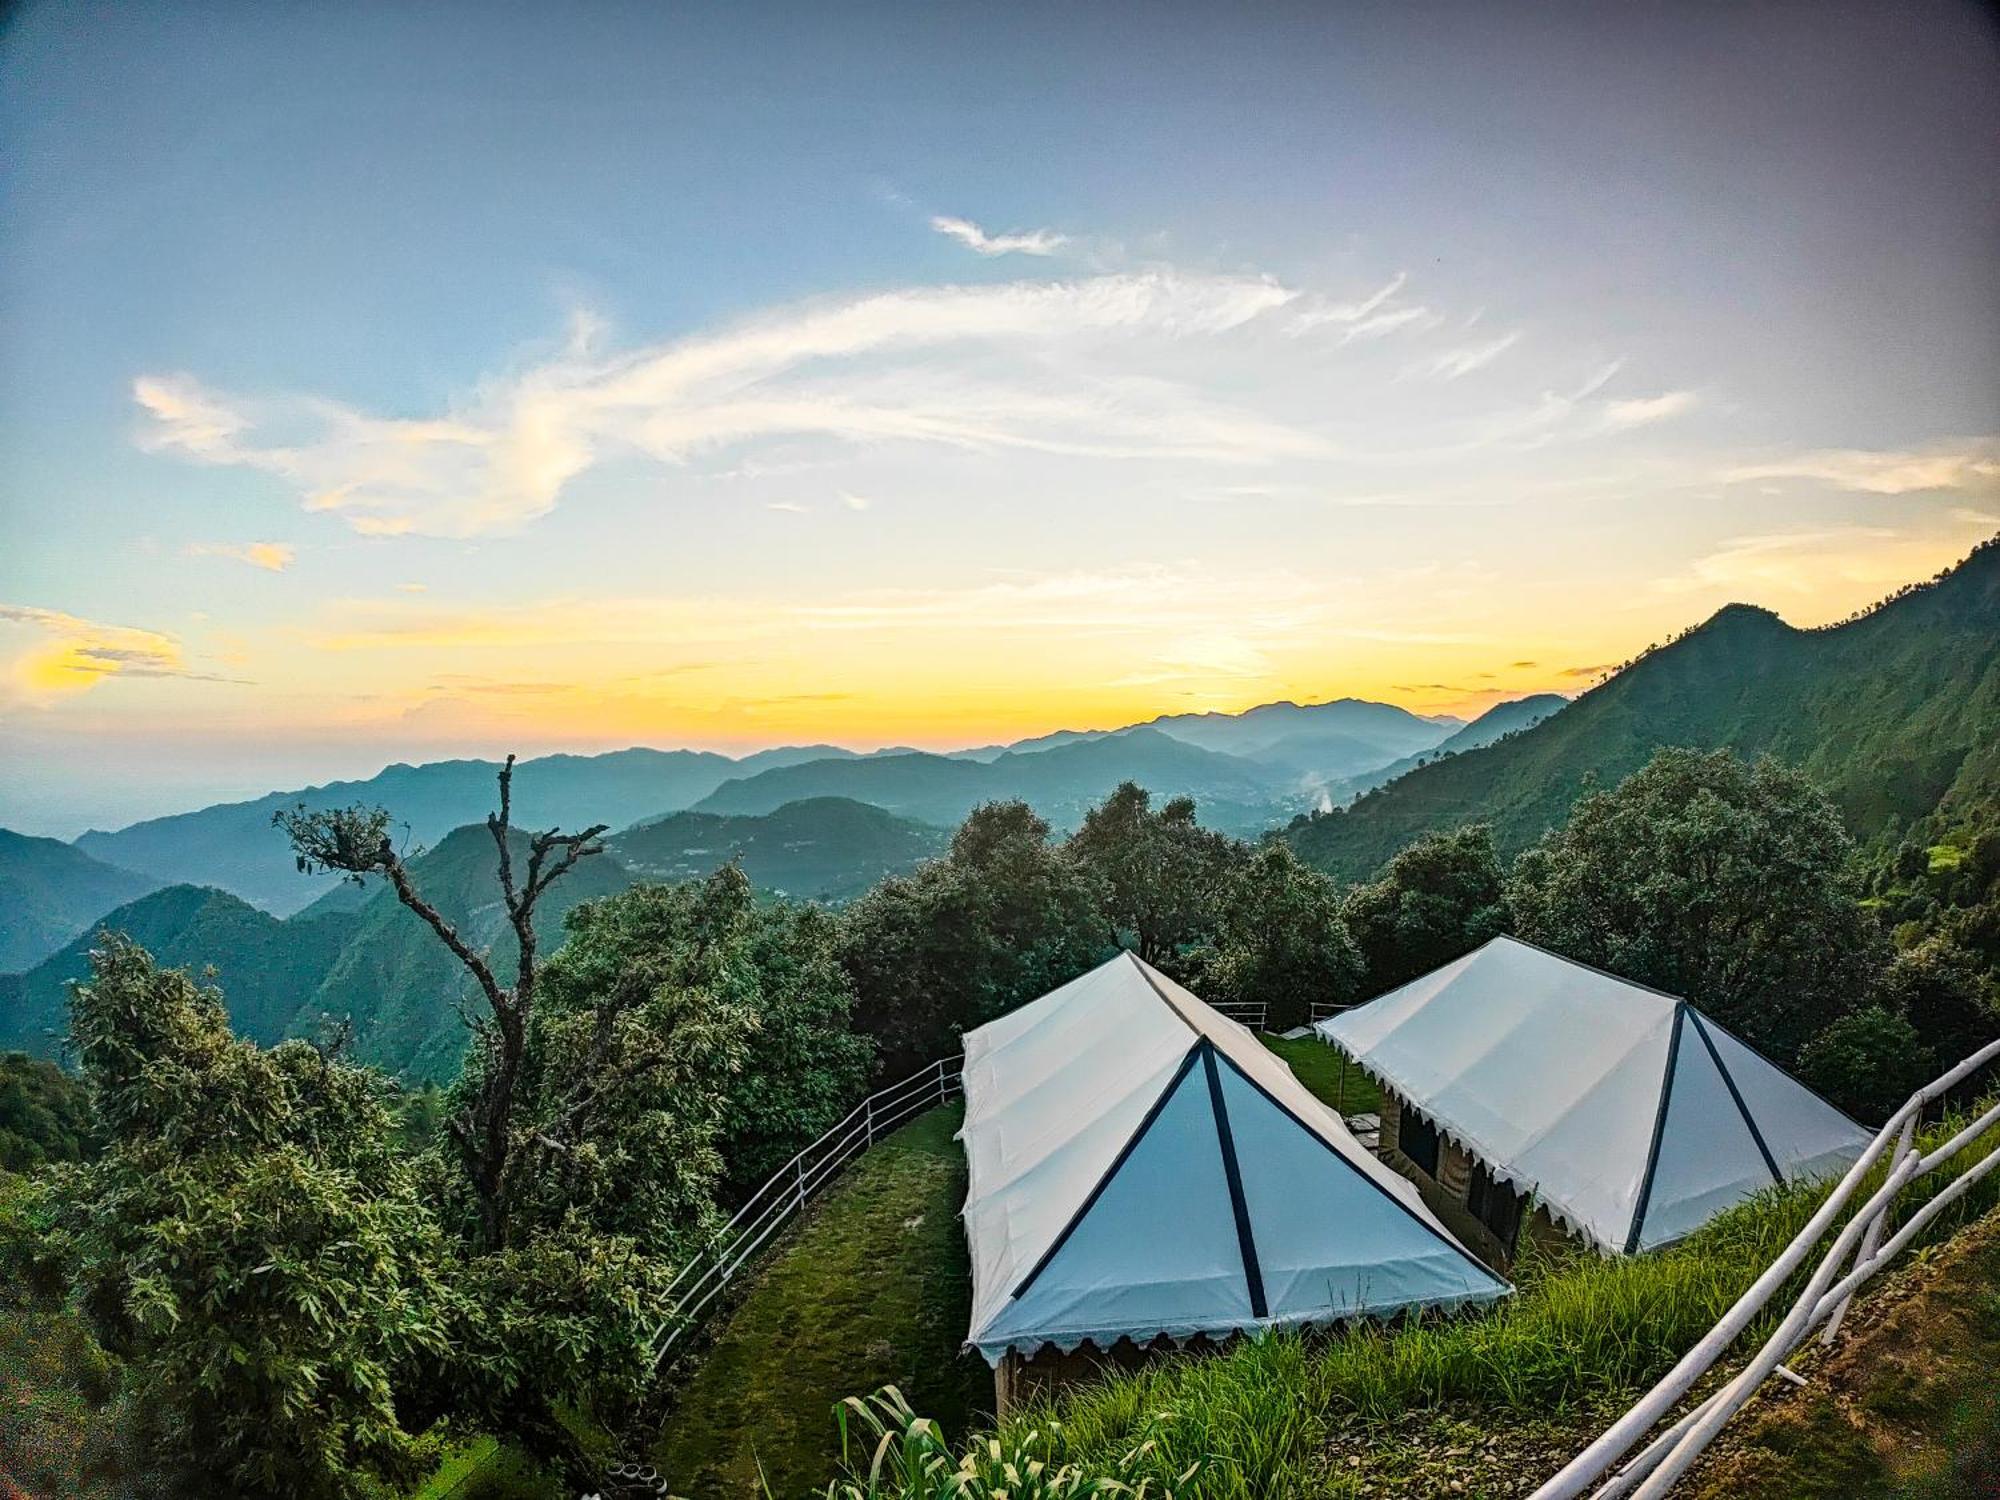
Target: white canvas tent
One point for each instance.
(1630, 1115)
(1140, 1166)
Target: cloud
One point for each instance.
(790, 507)
(1373, 316)
(977, 240)
(855, 502)
(1642, 411)
(272, 557)
(1039, 372)
(1815, 563)
(71, 655)
(1972, 464)
(1455, 363)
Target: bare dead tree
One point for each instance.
(355, 843)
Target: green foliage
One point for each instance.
(893, 1452)
(765, 982)
(1436, 900)
(1159, 875)
(1868, 1062)
(1938, 987)
(44, 1115)
(1003, 918)
(1892, 713)
(1279, 940)
(248, 1241)
(1725, 883)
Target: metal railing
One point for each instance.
(1250, 1013)
(1325, 1010)
(790, 1188)
(1824, 1301)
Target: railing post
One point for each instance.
(799, 1189)
(869, 1119)
(1871, 1239)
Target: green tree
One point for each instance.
(44, 1114)
(1437, 899)
(1937, 987)
(765, 983)
(1003, 918)
(250, 1242)
(1868, 1062)
(1159, 874)
(1279, 940)
(1729, 884)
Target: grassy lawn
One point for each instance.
(1319, 1067)
(872, 1288)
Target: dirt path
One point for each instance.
(1906, 1404)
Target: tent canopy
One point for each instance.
(1631, 1116)
(1141, 1166)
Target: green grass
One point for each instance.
(1944, 858)
(1319, 1066)
(872, 1288)
(1582, 1334)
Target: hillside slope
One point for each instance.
(821, 849)
(1894, 713)
(264, 967)
(1496, 723)
(50, 892)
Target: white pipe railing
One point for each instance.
(1824, 1299)
(790, 1188)
(1250, 1013)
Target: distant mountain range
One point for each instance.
(1500, 720)
(1250, 771)
(357, 953)
(1895, 713)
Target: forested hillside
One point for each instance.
(820, 849)
(49, 892)
(1892, 713)
(262, 964)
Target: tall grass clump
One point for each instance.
(1581, 1332)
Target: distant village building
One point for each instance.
(1627, 1117)
(1144, 1173)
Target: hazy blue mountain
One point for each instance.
(50, 892)
(232, 845)
(1060, 782)
(1896, 713)
(820, 849)
(1317, 740)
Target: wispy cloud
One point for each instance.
(1972, 464)
(1810, 562)
(1453, 364)
(68, 654)
(855, 502)
(977, 240)
(866, 371)
(272, 557)
(1643, 411)
(1379, 313)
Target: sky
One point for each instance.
(389, 382)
